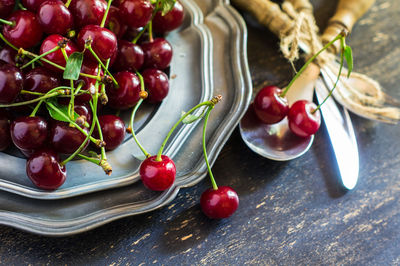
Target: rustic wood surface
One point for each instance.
(290, 212)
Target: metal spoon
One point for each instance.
(277, 142)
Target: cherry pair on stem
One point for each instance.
(271, 106)
(158, 172)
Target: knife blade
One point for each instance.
(341, 135)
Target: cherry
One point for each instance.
(130, 57)
(156, 83)
(54, 17)
(5, 138)
(56, 57)
(11, 82)
(32, 5)
(84, 110)
(104, 42)
(127, 94)
(158, 175)
(136, 13)
(114, 22)
(29, 133)
(170, 21)
(269, 106)
(113, 129)
(219, 203)
(6, 7)
(45, 171)
(87, 12)
(65, 139)
(157, 54)
(40, 79)
(26, 32)
(304, 121)
(8, 55)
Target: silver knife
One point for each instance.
(341, 134)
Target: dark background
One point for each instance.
(290, 212)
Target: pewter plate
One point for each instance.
(224, 70)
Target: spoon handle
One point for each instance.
(346, 15)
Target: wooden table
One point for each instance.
(290, 212)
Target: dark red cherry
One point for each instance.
(65, 139)
(157, 54)
(45, 171)
(11, 82)
(29, 133)
(130, 57)
(114, 22)
(104, 42)
(56, 57)
(6, 7)
(269, 106)
(5, 138)
(136, 13)
(220, 203)
(32, 5)
(84, 110)
(158, 175)
(113, 129)
(156, 83)
(40, 79)
(127, 95)
(87, 12)
(8, 55)
(26, 32)
(170, 21)
(304, 121)
(54, 17)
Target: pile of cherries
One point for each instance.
(46, 113)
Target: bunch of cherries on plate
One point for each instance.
(71, 57)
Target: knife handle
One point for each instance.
(347, 13)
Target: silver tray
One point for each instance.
(218, 34)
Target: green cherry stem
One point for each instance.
(9, 23)
(89, 47)
(134, 41)
(212, 102)
(133, 131)
(338, 37)
(103, 21)
(36, 108)
(31, 93)
(7, 42)
(214, 184)
(68, 3)
(71, 105)
(46, 96)
(40, 56)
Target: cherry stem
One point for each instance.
(71, 105)
(40, 56)
(207, 103)
(103, 21)
(68, 3)
(90, 159)
(7, 42)
(134, 41)
(102, 65)
(7, 22)
(339, 36)
(32, 93)
(133, 131)
(338, 77)
(21, 6)
(214, 184)
(46, 96)
(36, 108)
(151, 31)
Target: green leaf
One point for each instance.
(348, 55)
(192, 118)
(73, 66)
(167, 6)
(63, 108)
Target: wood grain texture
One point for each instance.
(290, 213)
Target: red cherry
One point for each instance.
(40, 79)
(54, 17)
(56, 57)
(220, 203)
(65, 139)
(87, 12)
(158, 175)
(303, 121)
(130, 57)
(8, 55)
(156, 83)
(104, 42)
(44, 170)
(170, 21)
(157, 54)
(136, 13)
(127, 95)
(29, 133)
(26, 32)
(6, 7)
(269, 106)
(11, 82)
(114, 22)
(32, 5)
(113, 129)
(5, 138)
